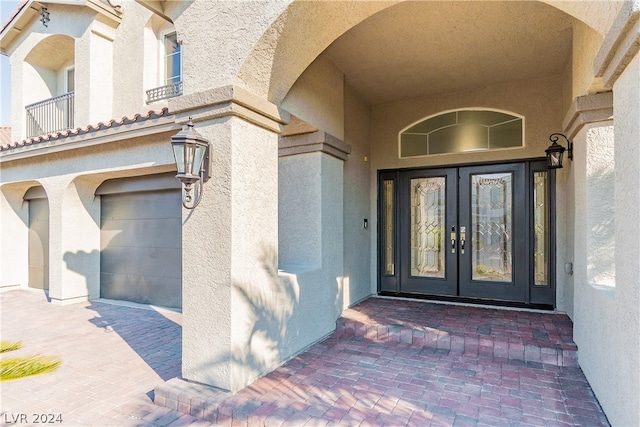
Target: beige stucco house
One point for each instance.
(357, 148)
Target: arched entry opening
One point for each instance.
(372, 74)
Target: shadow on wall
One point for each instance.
(259, 342)
(601, 228)
(269, 310)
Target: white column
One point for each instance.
(74, 239)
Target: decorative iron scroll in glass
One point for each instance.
(540, 229)
(491, 227)
(461, 132)
(428, 227)
(388, 227)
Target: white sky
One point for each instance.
(6, 8)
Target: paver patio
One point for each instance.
(390, 362)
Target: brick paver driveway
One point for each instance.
(390, 362)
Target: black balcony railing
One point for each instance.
(51, 115)
(164, 92)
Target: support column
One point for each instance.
(311, 218)
(608, 329)
(233, 313)
(74, 239)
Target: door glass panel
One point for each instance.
(388, 226)
(491, 227)
(428, 227)
(540, 229)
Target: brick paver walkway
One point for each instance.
(112, 357)
(390, 362)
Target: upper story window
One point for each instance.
(462, 131)
(70, 79)
(172, 56)
(172, 59)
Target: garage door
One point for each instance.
(141, 240)
(38, 238)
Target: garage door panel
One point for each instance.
(162, 291)
(165, 233)
(155, 205)
(141, 247)
(143, 261)
(38, 244)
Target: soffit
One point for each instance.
(423, 48)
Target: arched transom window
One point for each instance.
(462, 131)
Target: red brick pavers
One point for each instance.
(390, 362)
(395, 362)
(112, 356)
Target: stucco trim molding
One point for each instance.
(313, 142)
(588, 109)
(229, 101)
(620, 46)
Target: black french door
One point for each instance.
(479, 232)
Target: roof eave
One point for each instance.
(128, 128)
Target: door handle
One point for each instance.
(453, 239)
(463, 237)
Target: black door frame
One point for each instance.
(542, 297)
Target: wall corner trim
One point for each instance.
(587, 109)
(620, 45)
(229, 101)
(313, 142)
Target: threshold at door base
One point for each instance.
(469, 301)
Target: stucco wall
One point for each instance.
(607, 319)
(14, 228)
(358, 281)
(129, 60)
(74, 22)
(317, 97)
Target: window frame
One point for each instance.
(458, 110)
(164, 61)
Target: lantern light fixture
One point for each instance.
(193, 162)
(555, 151)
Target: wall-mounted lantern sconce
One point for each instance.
(44, 16)
(193, 161)
(555, 151)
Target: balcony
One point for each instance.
(51, 115)
(164, 92)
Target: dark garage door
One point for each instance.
(141, 241)
(38, 238)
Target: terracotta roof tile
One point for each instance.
(81, 131)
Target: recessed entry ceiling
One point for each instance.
(428, 47)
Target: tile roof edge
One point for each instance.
(153, 114)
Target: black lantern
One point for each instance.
(555, 151)
(191, 152)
